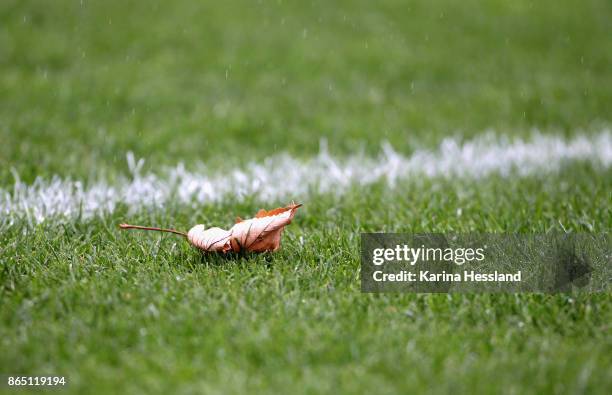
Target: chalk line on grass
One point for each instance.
(284, 177)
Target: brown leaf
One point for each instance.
(212, 239)
(258, 234)
(263, 233)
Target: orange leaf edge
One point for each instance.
(263, 213)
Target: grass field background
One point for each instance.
(82, 83)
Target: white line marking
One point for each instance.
(284, 177)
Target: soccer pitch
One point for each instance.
(392, 116)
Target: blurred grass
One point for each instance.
(83, 82)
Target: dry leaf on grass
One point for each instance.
(259, 234)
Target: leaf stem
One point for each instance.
(127, 226)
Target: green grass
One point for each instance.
(128, 312)
(92, 80)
